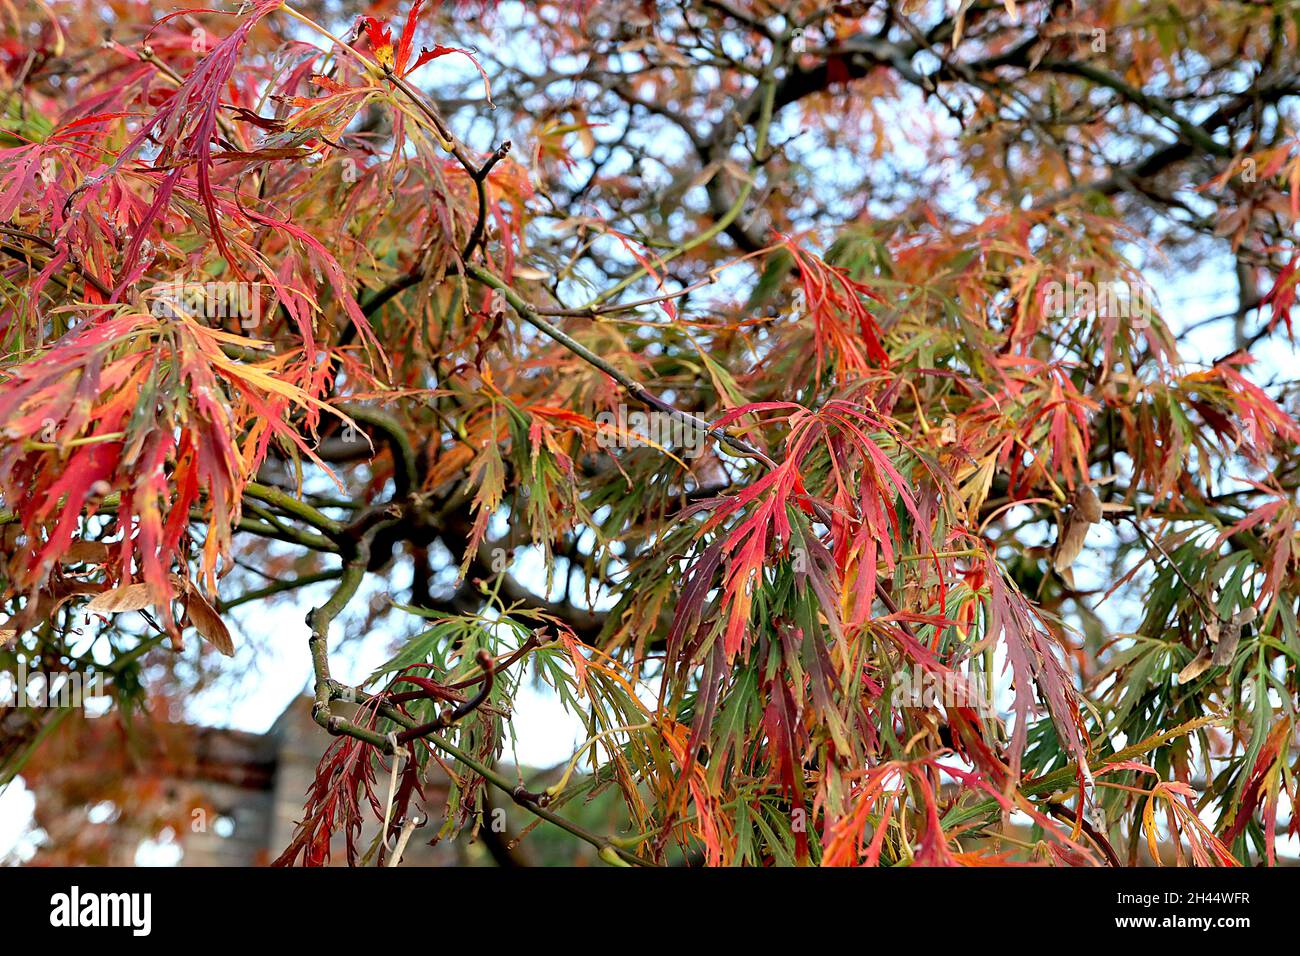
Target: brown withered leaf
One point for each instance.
(203, 616)
(207, 621)
(1071, 541)
(86, 552)
(126, 597)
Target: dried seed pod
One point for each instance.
(1084, 512)
(1070, 544)
(1231, 635)
(1087, 504)
(1198, 666)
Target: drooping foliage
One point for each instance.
(821, 402)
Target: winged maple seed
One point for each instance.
(1221, 639)
(910, 557)
(1084, 511)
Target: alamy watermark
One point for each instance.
(133, 911)
(925, 690)
(209, 300)
(624, 428)
(62, 690)
(1077, 298)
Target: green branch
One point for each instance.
(606, 846)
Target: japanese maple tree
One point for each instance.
(812, 397)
